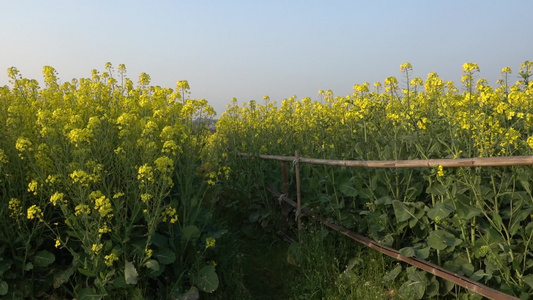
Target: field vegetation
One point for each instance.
(476, 222)
(120, 190)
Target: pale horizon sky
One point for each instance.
(248, 49)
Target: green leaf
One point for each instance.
(477, 275)
(28, 266)
(415, 252)
(497, 220)
(347, 188)
(465, 211)
(152, 264)
(43, 258)
(528, 279)
(165, 256)
(119, 282)
(440, 240)
(366, 194)
(136, 294)
(86, 272)
(422, 253)
(207, 279)
(154, 269)
(191, 294)
(436, 189)
(415, 287)
(517, 219)
(3, 288)
(4, 265)
(62, 277)
(401, 211)
(390, 276)
(408, 251)
(441, 210)
(159, 240)
(89, 294)
(130, 273)
(432, 289)
(190, 232)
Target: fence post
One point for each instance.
(284, 205)
(298, 194)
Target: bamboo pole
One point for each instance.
(415, 163)
(268, 157)
(298, 193)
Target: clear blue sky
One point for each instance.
(248, 49)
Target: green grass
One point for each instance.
(331, 266)
(325, 265)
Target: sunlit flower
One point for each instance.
(110, 259)
(34, 211)
(57, 198)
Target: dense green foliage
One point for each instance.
(473, 221)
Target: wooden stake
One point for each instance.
(296, 163)
(284, 205)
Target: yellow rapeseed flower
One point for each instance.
(169, 214)
(209, 242)
(440, 171)
(145, 173)
(96, 248)
(57, 198)
(15, 207)
(82, 209)
(3, 157)
(146, 197)
(110, 259)
(102, 204)
(32, 187)
(164, 164)
(33, 212)
(148, 253)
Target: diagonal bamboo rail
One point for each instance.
(428, 163)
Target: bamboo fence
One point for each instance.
(429, 163)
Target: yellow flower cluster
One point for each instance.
(3, 157)
(33, 186)
(480, 120)
(146, 197)
(103, 230)
(91, 152)
(145, 174)
(15, 208)
(148, 253)
(23, 145)
(110, 259)
(170, 214)
(102, 204)
(440, 171)
(209, 242)
(58, 198)
(164, 164)
(96, 248)
(81, 177)
(34, 211)
(82, 209)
